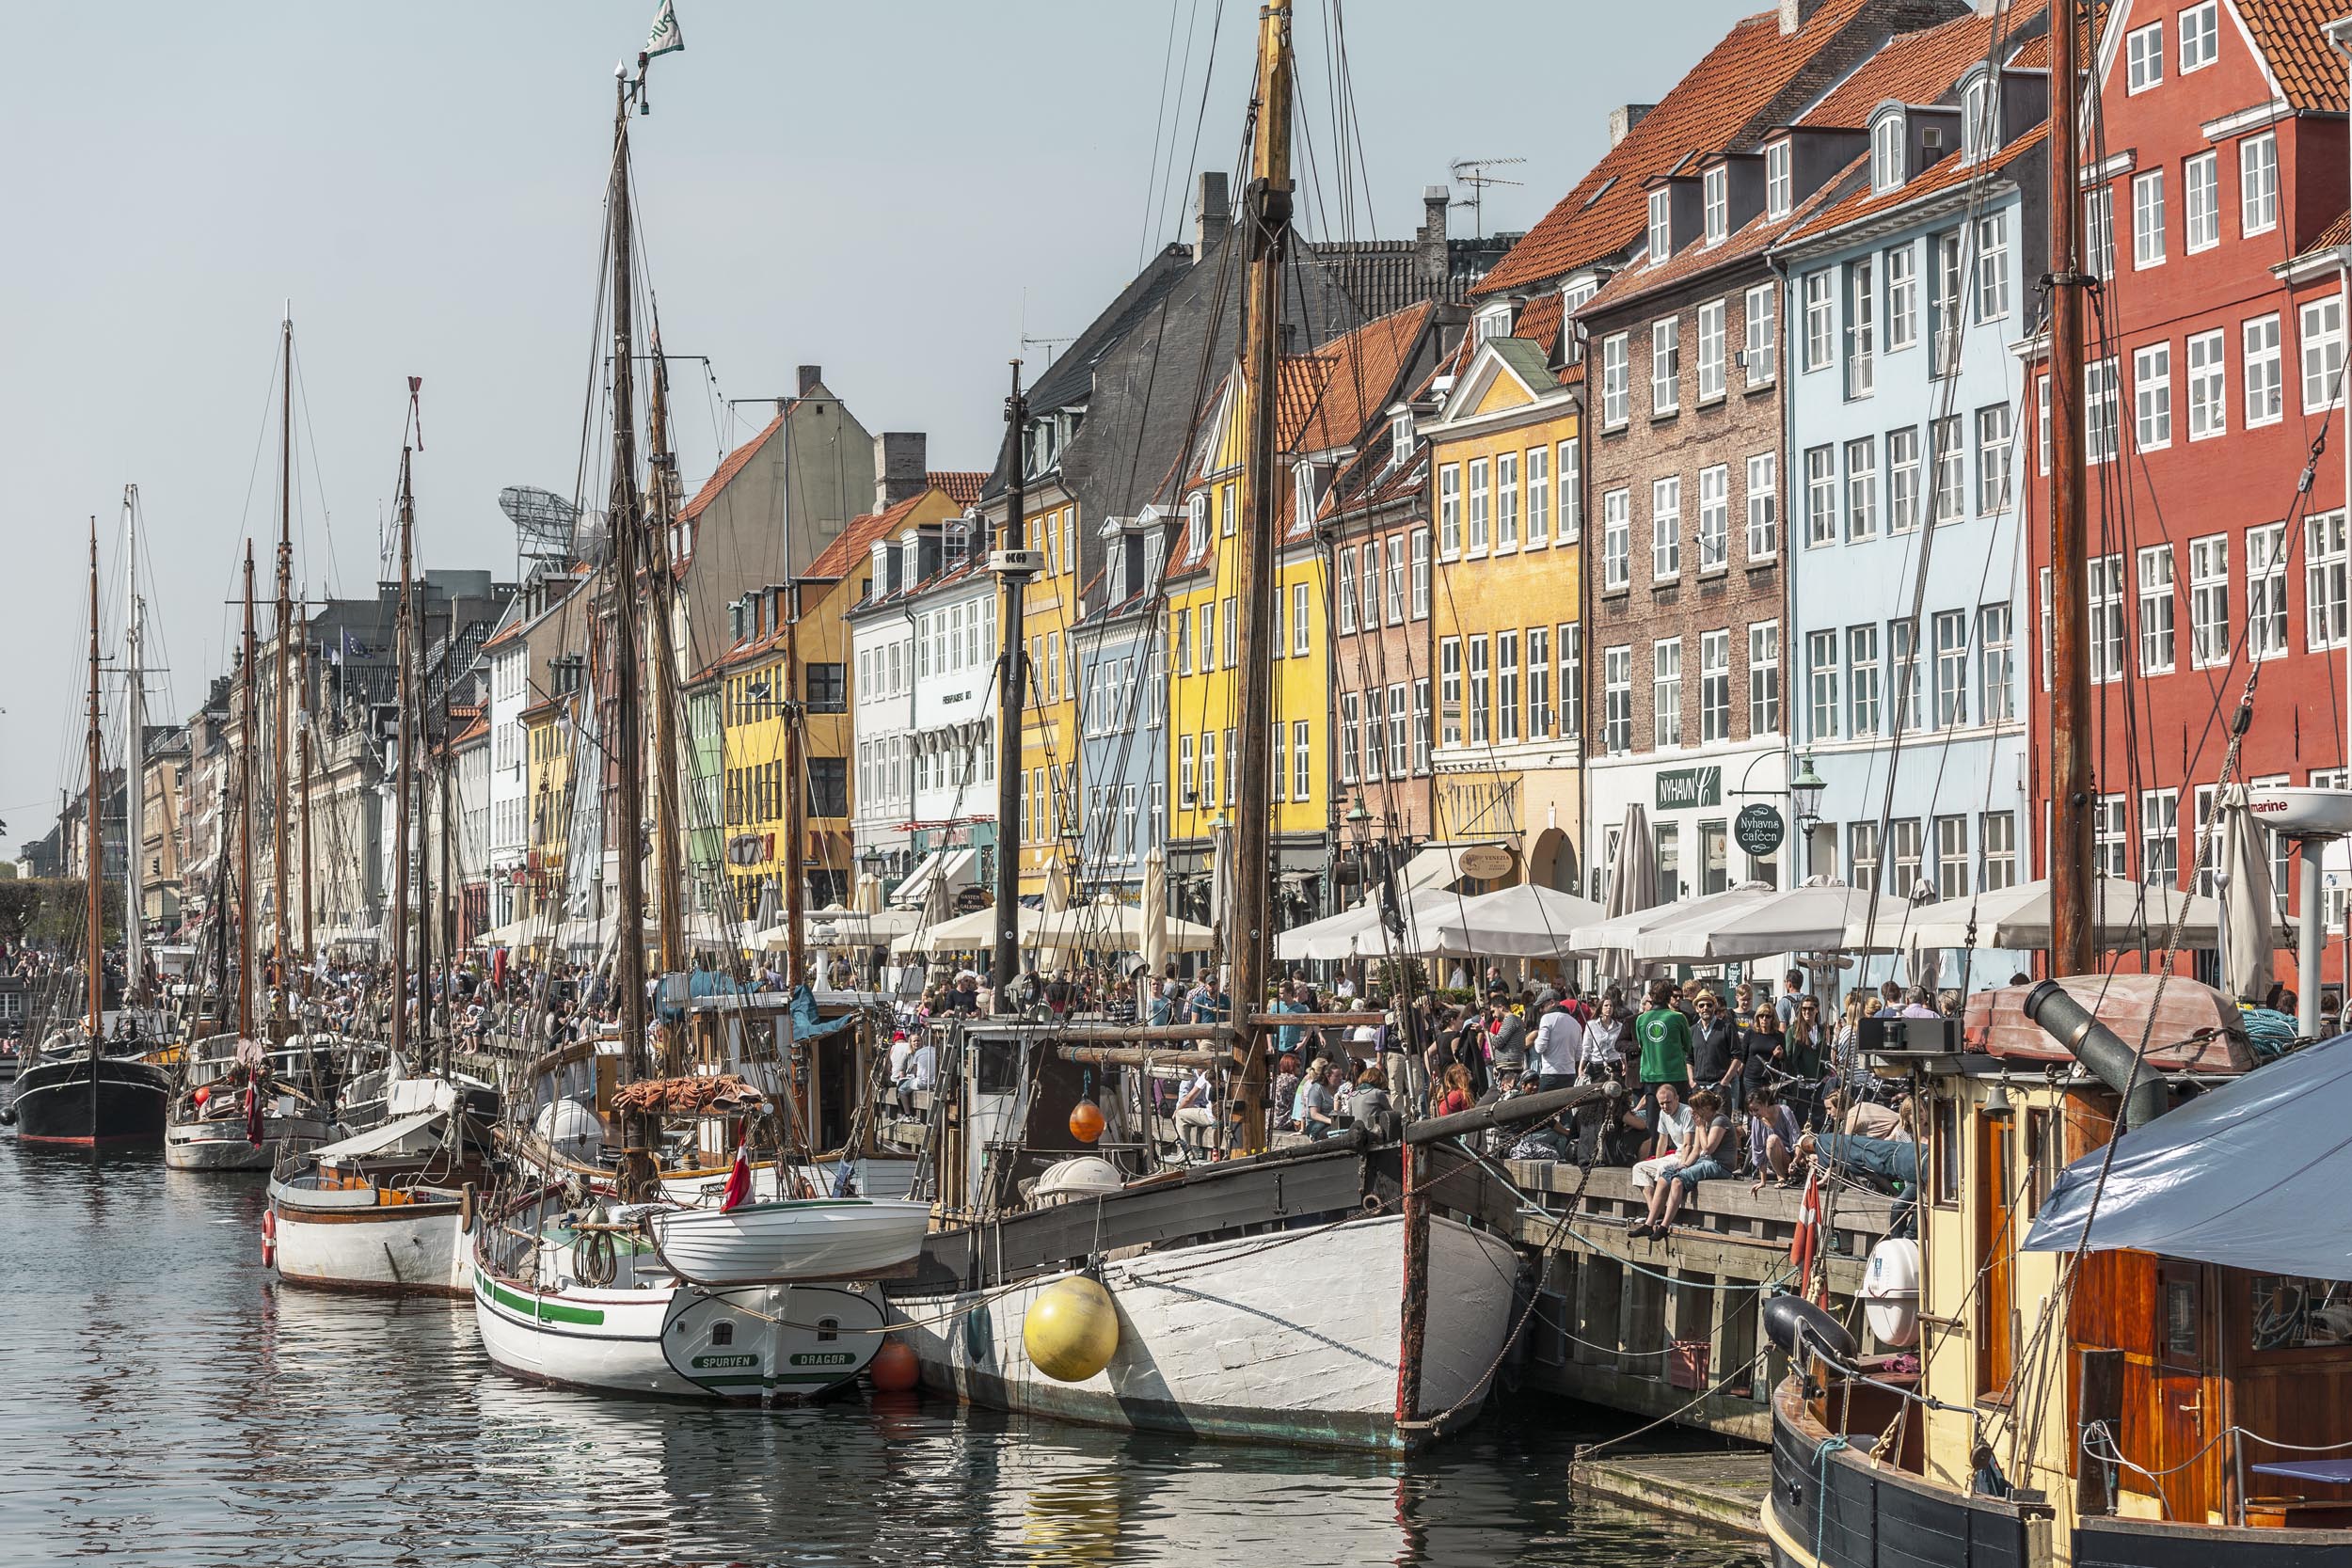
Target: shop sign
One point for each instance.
(1679, 788)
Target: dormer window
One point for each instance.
(1778, 186)
(1195, 522)
(956, 540)
(1980, 119)
(1303, 476)
(1718, 189)
(1400, 438)
(1495, 322)
(1887, 152)
(1660, 225)
(911, 571)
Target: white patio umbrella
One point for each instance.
(1618, 931)
(1521, 922)
(2126, 915)
(1361, 933)
(2242, 870)
(1812, 918)
(1103, 926)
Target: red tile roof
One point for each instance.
(1924, 67)
(1724, 100)
(732, 464)
(2331, 237)
(849, 546)
(962, 486)
(1947, 174)
(2287, 32)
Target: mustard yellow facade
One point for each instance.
(1049, 725)
(1507, 505)
(547, 749)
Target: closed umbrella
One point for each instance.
(1632, 879)
(1056, 902)
(2242, 863)
(868, 897)
(1153, 911)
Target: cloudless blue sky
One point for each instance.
(890, 190)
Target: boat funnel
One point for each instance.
(2094, 1044)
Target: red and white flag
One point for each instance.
(739, 1179)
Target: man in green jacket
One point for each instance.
(1663, 1036)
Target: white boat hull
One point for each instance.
(362, 1244)
(759, 1343)
(221, 1144)
(850, 1238)
(1290, 1337)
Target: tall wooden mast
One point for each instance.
(134, 751)
(795, 793)
(2072, 792)
(94, 844)
(281, 668)
(404, 769)
(1004, 956)
(1268, 212)
(248, 724)
(626, 741)
(662, 506)
(302, 749)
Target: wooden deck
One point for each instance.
(1720, 1491)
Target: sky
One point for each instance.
(901, 193)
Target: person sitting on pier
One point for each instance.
(1700, 1160)
(1456, 1096)
(1322, 1105)
(1772, 1138)
(1371, 1107)
(1604, 1048)
(1668, 1121)
(1195, 1122)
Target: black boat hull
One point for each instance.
(111, 1102)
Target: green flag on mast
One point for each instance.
(665, 36)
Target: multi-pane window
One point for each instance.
(1351, 730)
(1665, 365)
(1507, 686)
(1450, 689)
(1714, 686)
(1230, 641)
(1999, 845)
(1992, 266)
(1479, 498)
(1715, 201)
(1992, 434)
(1666, 692)
(1862, 680)
(2324, 560)
(1861, 488)
(1887, 152)
(1616, 677)
(1952, 669)
(1302, 609)
(1392, 599)
(1572, 491)
(2102, 411)
(1995, 661)
(1449, 510)
(1661, 226)
(1903, 297)
(2041, 420)
(1861, 327)
(1905, 843)
(1571, 647)
(2099, 231)
(1980, 119)
(1185, 794)
(2143, 57)
(1951, 857)
(2201, 36)
(1420, 725)
(1762, 348)
(1616, 539)
(2266, 591)
(1616, 373)
(1861, 853)
(2160, 835)
(1944, 297)
(1302, 759)
(1506, 501)
(1764, 506)
(2201, 202)
(1764, 678)
(1538, 682)
(1399, 758)
(2110, 838)
(1347, 589)
(1951, 470)
(1821, 495)
(1902, 480)
(1482, 695)
(2106, 617)
(1665, 527)
(1777, 184)
(2152, 396)
(2148, 218)
(1903, 671)
(2264, 392)
(2156, 610)
(2208, 386)
(1820, 319)
(1820, 657)
(1538, 496)
(2323, 353)
(1714, 517)
(2258, 183)
(1421, 575)
(2209, 600)
(1711, 341)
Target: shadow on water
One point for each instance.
(174, 1405)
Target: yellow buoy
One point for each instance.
(1071, 1329)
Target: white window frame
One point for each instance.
(1616, 673)
(1539, 496)
(1763, 506)
(1903, 297)
(2201, 201)
(2207, 384)
(2159, 610)
(2148, 219)
(1993, 438)
(1666, 692)
(1992, 266)
(1616, 540)
(2265, 369)
(1568, 488)
(1665, 528)
(2320, 341)
(1714, 687)
(2201, 37)
(1886, 151)
(2143, 59)
(1665, 367)
(1474, 485)
(2325, 602)
(1715, 518)
(2258, 183)
(2266, 591)
(1822, 669)
(1779, 188)
(1712, 381)
(2152, 396)
(1450, 511)
(1760, 357)
(1861, 488)
(1820, 496)
(1659, 233)
(1821, 319)
(2209, 613)
(1763, 678)
(1615, 369)
(1715, 192)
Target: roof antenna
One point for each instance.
(1472, 173)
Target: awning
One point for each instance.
(953, 867)
(377, 1139)
(1436, 865)
(2250, 1176)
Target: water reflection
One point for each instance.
(172, 1404)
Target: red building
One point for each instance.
(2213, 189)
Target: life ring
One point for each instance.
(269, 1237)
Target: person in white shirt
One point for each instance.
(1671, 1126)
(922, 1070)
(1195, 1121)
(1558, 1049)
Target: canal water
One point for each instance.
(165, 1402)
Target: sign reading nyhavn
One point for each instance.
(1678, 787)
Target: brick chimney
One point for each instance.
(1794, 15)
(1623, 118)
(901, 460)
(812, 376)
(1213, 216)
(1431, 259)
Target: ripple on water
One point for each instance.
(173, 1406)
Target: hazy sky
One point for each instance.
(889, 190)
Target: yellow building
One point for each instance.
(1506, 460)
(1049, 724)
(547, 753)
(1329, 402)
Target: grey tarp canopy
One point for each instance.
(2252, 1176)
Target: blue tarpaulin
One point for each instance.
(2250, 1176)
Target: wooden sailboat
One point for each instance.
(637, 1288)
(94, 1092)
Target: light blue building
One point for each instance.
(1908, 298)
(1123, 694)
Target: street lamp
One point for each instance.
(1804, 797)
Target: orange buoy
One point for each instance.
(1086, 1121)
(201, 1095)
(894, 1369)
(269, 1237)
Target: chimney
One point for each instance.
(900, 467)
(812, 376)
(1213, 216)
(1794, 15)
(1432, 257)
(1623, 118)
